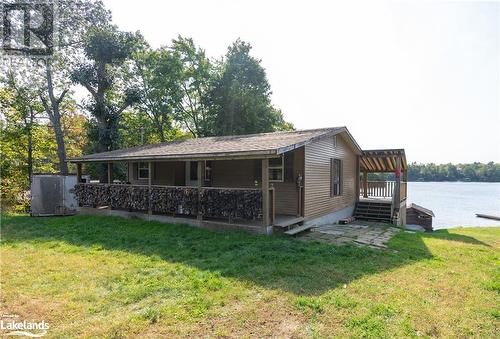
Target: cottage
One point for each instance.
(252, 182)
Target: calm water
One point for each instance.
(456, 203)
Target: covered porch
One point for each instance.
(383, 200)
(252, 193)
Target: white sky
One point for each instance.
(420, 76)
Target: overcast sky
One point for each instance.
(419, 76)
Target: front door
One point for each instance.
(192, 173)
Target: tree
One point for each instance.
(478, 172)
(50, 78)
(241, 96)
(159, 74)
(52, 107)
(107, 50)
(74, 19)
(27, 143)
(21, 111)
(196, 80)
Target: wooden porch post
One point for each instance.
(405, 183)
(397, 187)
(357, 178)
(78, 173)
(110, 172)
(128, 171)
(200, 185)
(365, 184)
(265, 192)
(150, 176)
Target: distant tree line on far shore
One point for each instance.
(475, 172)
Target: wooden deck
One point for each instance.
(380, 200)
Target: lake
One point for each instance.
(456, 203)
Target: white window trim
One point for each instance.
(282, 168)
(340, 182)
(143, 168)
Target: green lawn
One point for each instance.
(111, 277)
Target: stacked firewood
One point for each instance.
(242, 204)
(218, 203)
(175, 200)
(129, 197)
(92, 195)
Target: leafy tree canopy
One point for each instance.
(241, 96)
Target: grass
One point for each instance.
(111, 277)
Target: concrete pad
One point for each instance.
(363, 233)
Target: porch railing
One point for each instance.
(231, 203)
(378, 189)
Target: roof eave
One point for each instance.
(198, 156)
(331, 133)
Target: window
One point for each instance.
(258, 171)
(276, 169)
(143, 170)
(334, 141)
(193, 170)
(335, 177)
(208, 170)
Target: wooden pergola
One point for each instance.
(384, 161)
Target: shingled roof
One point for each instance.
(263, 144)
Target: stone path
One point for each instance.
(365, 233)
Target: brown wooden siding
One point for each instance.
(233, 173)
(170, 173)
(287, 192)
(318, 201)
(225, 173)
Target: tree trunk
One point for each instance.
(55, 118)
(61, 149)
(30, 145)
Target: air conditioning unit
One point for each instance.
(52, 194)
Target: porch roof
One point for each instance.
(238, 146)
(382, 160)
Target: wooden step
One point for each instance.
(299, 229)
(288, 222)
(374, 209)
(373, 204)
(368, 217)
(373, 213)
(384, 207)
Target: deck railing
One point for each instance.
(215, 202)
(378, 189)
